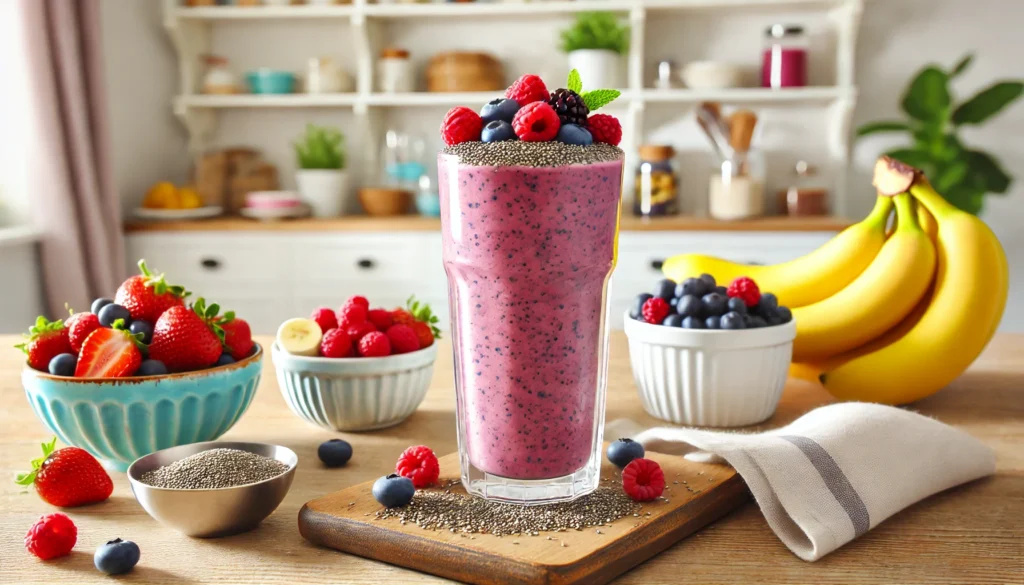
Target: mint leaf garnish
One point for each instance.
(599, 98)
(574, 82)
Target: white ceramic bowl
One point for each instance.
(354, 394)
(712, 75)
(711, 378)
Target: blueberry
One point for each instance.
(693, 323)
(151, 368)
(785, 314)
(673, 321)
(63, 364)
(116, 556)
(713, 304)
(689, 306)
(621, 452)
(225, 359)
(638, 305)
(334, 453)
(709, 281)
(99, 304)
(497, 131)
(393, 491)
(665, 289)
(713, 322)
(143, 327)
(733, 320)
(772, 317)
(691, 286)
(737, 305)
(499, 109)
(722, 291)
(768, 303)
(112, 312)
(757, 321)
(573, 134)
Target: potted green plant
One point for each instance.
(962, 174)
(595, 44)
(321, 178)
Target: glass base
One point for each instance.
(531, 492)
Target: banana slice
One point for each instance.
(300, 336)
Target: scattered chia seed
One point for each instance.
(214, 469)
(532, 154)
(434, 510)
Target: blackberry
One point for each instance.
(569, 106)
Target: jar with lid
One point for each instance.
(806, 196)
(657, 182)
(784, 57)
(394, 71)
(219, 79)
(737, 190)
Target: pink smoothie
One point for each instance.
(528, 252)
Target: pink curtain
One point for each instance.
(70, 183)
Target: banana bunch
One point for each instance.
(883, 314)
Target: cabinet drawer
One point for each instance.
(370, 258)
(210, 260)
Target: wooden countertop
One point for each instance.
(414, 223)
(970, 534)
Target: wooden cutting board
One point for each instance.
(345, 521)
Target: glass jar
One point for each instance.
(657, 184)
(219, 79)
(394, 71)
(737, 190)
(402, 159)
(784, 57)
(805, 196)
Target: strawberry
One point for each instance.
(401, 317)
(423, 333)
(237, 336)
(188, 338)
(80, 325)
(147, 296)
(45, 341)
(421, 312)
(67, 477)
(110, 353)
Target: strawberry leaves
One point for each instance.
(158, 283)
(595, 98)
(422, 312)
(120, 325)
(40, 327)
(30, 477)
(209, 316)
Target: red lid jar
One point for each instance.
(784, 58)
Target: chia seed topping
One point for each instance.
(214, 469)
(532, 154)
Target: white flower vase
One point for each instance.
(599, 68)
(324, 190)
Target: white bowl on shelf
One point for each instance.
(712, 75)
(714, 378)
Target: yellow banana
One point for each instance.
(969, 296)
(805, 280)
(877, 300)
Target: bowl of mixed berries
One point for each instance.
(144, 371)
(704, 354)
(357, 368)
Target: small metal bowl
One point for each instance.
(212, 512)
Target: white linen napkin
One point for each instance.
(837, 471)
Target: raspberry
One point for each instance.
(402, 317)
(403, 339)
(605, 128)
(325, 318)
(745, 288)
(536, 122)
(351, 314)
(527, 89)
(461, 124)
(52, 536)
(374, 344)
(79, 326)
(424, 333)
(358, 300)
(643, 480)
(336, 344)
(359, 330)
(420, 465)
(655, 310)
(381, 318)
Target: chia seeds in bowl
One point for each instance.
(532, 154)
(214, 469)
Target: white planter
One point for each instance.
(599, 68)
(324, 190)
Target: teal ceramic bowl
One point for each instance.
(119, 420)
(270, 81)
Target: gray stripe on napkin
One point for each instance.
(835, 480)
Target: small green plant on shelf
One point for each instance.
(320, 147)
(596, 30)
(962, 174)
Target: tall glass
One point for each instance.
(529, 252)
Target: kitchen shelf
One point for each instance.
(297, 100)
(747, 95)
(261, 12)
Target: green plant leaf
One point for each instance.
(912, 157)
(966, 197)
(927, 98)
(961, 65)
(988, 102)
(574, 83)
(883, 126)
(951, 176)
(596, 30)
(600, 97)
(986, 172)
(320, 148)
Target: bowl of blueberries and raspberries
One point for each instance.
(148, 369)
(705, 353)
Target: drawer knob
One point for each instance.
(657, 264)
(365, 263)
(210, 263)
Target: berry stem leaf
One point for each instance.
(574, 83)
(158, 282)
(30, 477)
(599, 98)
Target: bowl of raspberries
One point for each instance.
(357, 368)
(705, 354)
(143, 371)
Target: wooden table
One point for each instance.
(970, 534)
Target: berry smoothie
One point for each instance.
(530, 236)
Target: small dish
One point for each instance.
(712, 75)
(274, 213)
(272, 199)
(713, 378)
(270, 81)
(178, 214)
(212, 512)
